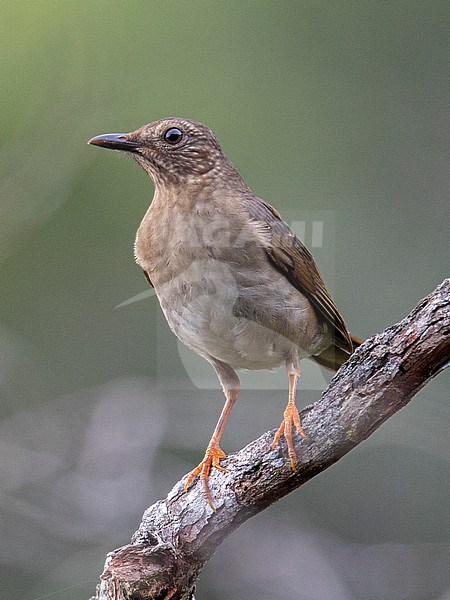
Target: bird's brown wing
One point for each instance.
(287, 254)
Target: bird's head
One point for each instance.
(171, 150)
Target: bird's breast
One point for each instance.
(220, 294)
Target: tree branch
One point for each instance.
(179, 534)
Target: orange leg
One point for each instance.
(214, 453)
(290, 418)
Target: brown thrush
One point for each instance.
(234, 283)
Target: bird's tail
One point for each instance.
(333, 357)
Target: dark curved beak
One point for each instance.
(115, 141)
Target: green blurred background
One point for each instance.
(335, 111)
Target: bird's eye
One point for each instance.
(173, 136)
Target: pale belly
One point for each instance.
(246, 319)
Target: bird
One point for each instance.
(234, 283)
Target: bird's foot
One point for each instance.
(291, 418)
(212, 458)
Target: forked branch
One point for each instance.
(180, 533)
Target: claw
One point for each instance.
(291, 418)
(212, 458)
